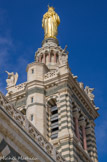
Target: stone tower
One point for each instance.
(57, 104)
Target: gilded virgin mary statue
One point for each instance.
(50, 23)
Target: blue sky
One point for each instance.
(83, 28)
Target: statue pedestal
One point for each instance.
(50, 40)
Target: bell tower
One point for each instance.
(69, 106)
(59, 106)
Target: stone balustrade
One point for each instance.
(51, 74)
(20, 86)
(16, 88)
(29, 128)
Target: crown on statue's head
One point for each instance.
(51, 7)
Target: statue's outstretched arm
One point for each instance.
(7, 72)
(16, 77)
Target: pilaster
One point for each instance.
(83, 125)
(91, 141)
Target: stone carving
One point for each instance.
(81, 85)
(12, 79)
(63, 59)
(47, 47)
(89, 91)
(64, 50)
(63, 56)
(30, 129)
(20, 86)
(74, 76)
(51, 74)
(51, 47)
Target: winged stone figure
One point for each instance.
(89, 91)
(12, 79)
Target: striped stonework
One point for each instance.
(68, 143)
(56, 104)
(66, 125)
(79, 154)
(65, 114)
(52, 120)
(91, 142)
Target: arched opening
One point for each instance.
(53, 119)
(42, 58)
(47, 58)
(57, 58)
(52, 57)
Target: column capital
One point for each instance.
(76, 112)
(82, 122)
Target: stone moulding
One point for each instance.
(17, 88)
(23, 122)
(21, 86)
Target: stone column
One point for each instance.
(77, 127)
(76, 117)
(84, 138)
(44, 59)
(83, 125)
(91, 141)
(49, 57)
(63, 117)
(40, 58)
(54, 57)
(65, 124)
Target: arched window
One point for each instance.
(53, 126)
(47, 58)
(57, 58)
(42, 58)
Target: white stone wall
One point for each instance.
(39, 69)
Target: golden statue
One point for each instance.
(50, 23)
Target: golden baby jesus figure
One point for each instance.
(50, 23)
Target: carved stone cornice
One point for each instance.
(85, 101)
(29, 128)
(82, 96)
